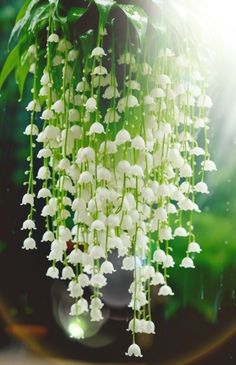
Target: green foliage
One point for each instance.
(104, 8)
(138, 18)
(9, 65)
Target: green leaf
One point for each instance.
(138, 18)
(22, 11)
(22, 72)
(22, 20)
(41, 14)
(87, 40)
(10, 64)
(75, 14)
(104, 8)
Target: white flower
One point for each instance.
(33, 106)
(29, 244)
(149, 100)
(159, 256)
(28, 199)
(51, 132)
(43, 173)
(161, 214)
(208, 165)
(138, 143)
(96, 128)
(107, 267)
(187, 262)
(44, 193)
(98, 52)
(58, 106)
(165, 290)
(111, 92)
(103, 174)
(122, 137)
(96, 303)
(204, 101)
(194, 247)
(32, 130)
(48, 236)
(148, 327)
(168, 261)
(180, 232)
(137, 328)
(132, 101)
(53, 38)
(44, 153)
(96, 315)
(165, 233)
(158, 93)
(98, 225)
(91, 105)
(98, 280)
(64, 45)
(99, 70)
(85, 178)
(96, 252)
(45, 79)
(73, 115)
(47, 114)
(136, 170)
(83, 280)
(80, 307)
(126, 58)
(75, 257)
(67, 273)
(111, 116)
(72, 55)
(185, 170)
(158, 279)
(130, 262)
(197, 151)
(75, 289)
(28, 224)
(201, 187)
(53, 272)
(163, 80)
(134, 350)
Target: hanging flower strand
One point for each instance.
(121, 163)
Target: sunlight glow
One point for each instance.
(223, 15)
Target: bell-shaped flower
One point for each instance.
(67, 273)
(78, 308)
(187, 263)
(28, 224)
(53, 272)
(165, 290)
(91, 105)
(107, 267)
(96, 128)
(29, 244)
(194, 247)
(28, 199)
(98, 280)
(96, 315)
(134, 350)
(98, 52)
(201, 187)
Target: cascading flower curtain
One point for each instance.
(119, 125)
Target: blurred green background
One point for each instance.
(204, 307)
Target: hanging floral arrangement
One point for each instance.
(118, 108)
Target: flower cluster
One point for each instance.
(120, 168)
